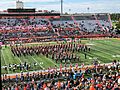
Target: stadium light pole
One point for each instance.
(61, 6)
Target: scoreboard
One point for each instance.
(20, 10)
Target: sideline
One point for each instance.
(45, 71)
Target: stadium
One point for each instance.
(51, 50)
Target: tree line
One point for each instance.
(116, 17)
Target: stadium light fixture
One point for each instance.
(69, 11)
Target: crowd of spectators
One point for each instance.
(95, 78)
(65, 26)
(98, 77)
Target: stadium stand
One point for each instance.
(33, 29)
(66, 63)
(105, 77)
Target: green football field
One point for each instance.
(104, 50)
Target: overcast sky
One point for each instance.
(76, 6)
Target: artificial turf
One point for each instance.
(105, 51)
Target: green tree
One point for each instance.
(115, 16)
(118, 25)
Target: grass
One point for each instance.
(102, 49)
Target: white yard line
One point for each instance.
(4, 60)
(102, 51)
(17, 57)
(37, 62)
(53, 62)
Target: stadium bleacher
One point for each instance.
(80, 25)
(37, 29)
(105, 77)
